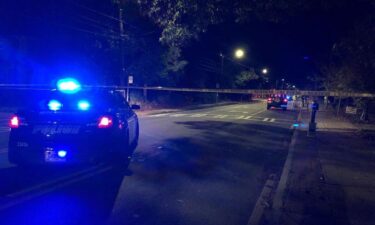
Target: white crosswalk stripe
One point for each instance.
(238, 112)
(198, 115)
(159, 115)
(220, 116)
(179, 115)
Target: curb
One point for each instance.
(269, 197)
(277, 204)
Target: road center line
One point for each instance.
(45, 191)
(48, 183)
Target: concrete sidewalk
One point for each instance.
(332, 177)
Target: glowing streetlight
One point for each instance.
(264, 70)
(239, 53)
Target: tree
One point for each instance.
(245, 78)
(352, 60)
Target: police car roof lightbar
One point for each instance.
(68, 85)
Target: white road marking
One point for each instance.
(265, 119)
(159, 115)
(248, 117)
(53, 188)
(272, 120)
(238, 112)
(263, 110)
(220, 116)
(240, 117)
(58, 180)
(178, 115)
(198, 115)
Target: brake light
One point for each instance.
(285, 100)
(105, 122)
(14, 122)
(269, 99)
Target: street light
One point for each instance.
(264, 70)
(239, 53)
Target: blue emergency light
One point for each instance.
(54, 105)
(83, 105)
(62, 153)
(68, 85)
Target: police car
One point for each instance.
(73, 125)
(277, 101)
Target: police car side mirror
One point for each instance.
(136, 107)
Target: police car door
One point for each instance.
(130, 118)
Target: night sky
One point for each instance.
(290, 49)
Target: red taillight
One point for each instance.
(269, 99)
(14, 122)
(285, 100)
(105, 122)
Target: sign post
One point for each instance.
(130, 81)
(312, 124)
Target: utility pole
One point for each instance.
(122, 35)
(217, 85)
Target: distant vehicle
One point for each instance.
(277, 101)
(70, 125)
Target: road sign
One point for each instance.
(350, 110)
(130, 80)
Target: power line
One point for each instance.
(101, 13)
(238, 63)
(103, 25)
(95, 11)
(92, 32)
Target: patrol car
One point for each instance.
(277, 101)
(73, 125)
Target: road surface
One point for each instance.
(203, 166)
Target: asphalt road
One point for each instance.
(203, 166)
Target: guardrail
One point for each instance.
(260, 92)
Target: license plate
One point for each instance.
(50, 155)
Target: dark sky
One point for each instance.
(281, 47)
